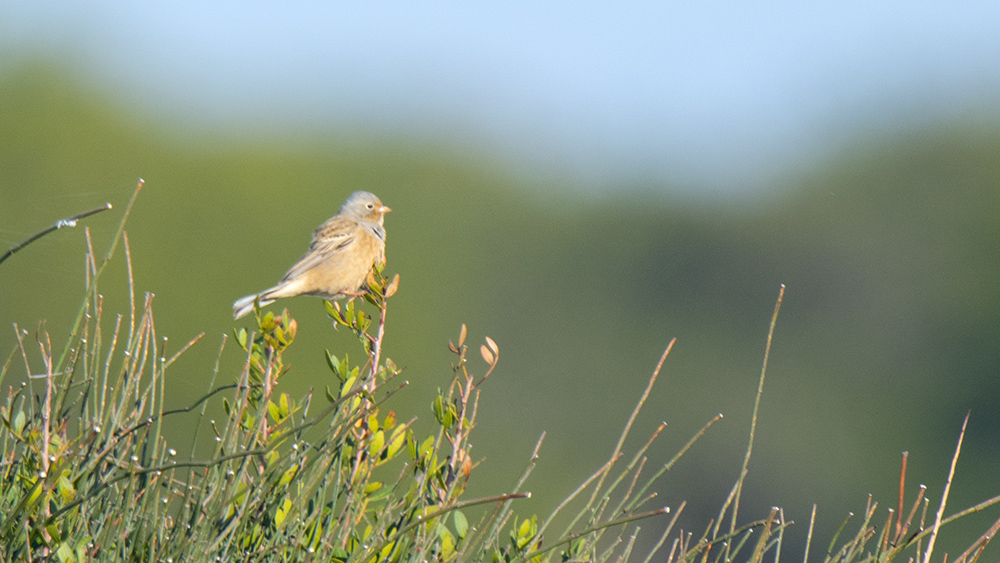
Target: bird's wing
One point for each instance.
(329, 238)
(335, 226)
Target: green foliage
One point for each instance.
(86, 473)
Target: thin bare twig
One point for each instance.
(809, 535)
(67, 222)
(756, 408)
(947, 489)
(635, 413)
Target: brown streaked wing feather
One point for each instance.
(329, 237)
(338, 225)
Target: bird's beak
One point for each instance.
(384, 209)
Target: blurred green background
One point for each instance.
(889, 334)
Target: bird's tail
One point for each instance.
(244, 305)
(287, 288)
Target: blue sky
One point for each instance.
(712, 95)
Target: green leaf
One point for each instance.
(333, 362)
(272, 409)
(396, 441)
(441, 413)
(526, 531)
(66, 489)
(271, 457)
(19, 421)
(578, 547)
(427, 446)
(282, 512)
(330, 309)
(380, 494)
(378, 440)
(288, 475)
(461, 524)
(65, 553)
(347, 386)
(447, 543)
(387, 551)
(411, 444)
(81, 548)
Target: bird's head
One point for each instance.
(365, 206)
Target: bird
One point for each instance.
(340, 258)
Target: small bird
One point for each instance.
(340, 258)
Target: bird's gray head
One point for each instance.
(364, 205)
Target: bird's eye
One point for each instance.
(370, 206)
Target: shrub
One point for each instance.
(87, 475)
